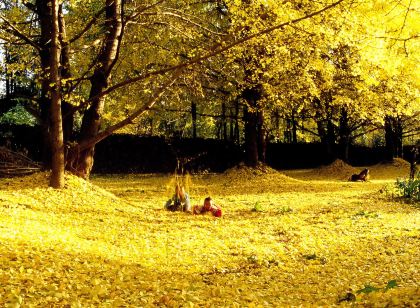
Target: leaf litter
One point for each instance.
(111, 243)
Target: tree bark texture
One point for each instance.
(57, 145)
(44, 12)
(81, 162)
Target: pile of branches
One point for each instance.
(16, 164)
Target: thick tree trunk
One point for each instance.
(344, 135)
(57, 145)
(251, 138)
(251, 119)
(81, 162)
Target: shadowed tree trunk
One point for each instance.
(294, 128)
(236, 128)
(43, 9)
(194, 119)
(66, 107)
(393, 137)
(57, 144)
(81, 162)
(262, 144)
(251, 119)
(344, 137)
(251, 143)
(224, 122)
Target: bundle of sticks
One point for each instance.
(16, 164)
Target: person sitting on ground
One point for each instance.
(208, 206)
(180, 200)
(362, 176)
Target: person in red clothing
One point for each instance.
(208, 206)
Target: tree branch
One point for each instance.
(88, 26)
(193, 23)
(143, 9)
(18, 33)
(152, 101)
(217, 49)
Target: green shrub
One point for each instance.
(409, 188)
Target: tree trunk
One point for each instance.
(251, 143)
(81, 162)
(393, 137)
(194, 119)
(66, 107)
(344, 135)
(389, 139)
(398, 137)
(252, 97)
(57, 146)
(262, 144)
(294, 129)
(224, 122)
(236, 129)
(43, 9)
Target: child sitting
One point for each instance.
(208, 206)
(180, 200)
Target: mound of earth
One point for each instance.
(16, 164)
(338, 169)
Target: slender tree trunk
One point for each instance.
(398, 138)
(231, 126)
(57, 175)
(294, 128)
(66, 107)
(236, 132)
(224, 122)
(389, 139)
(6, 73)
(194, 119)
(262, 144)
(43, 9)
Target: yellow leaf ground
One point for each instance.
(305, 238)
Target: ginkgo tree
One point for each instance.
(79, 51)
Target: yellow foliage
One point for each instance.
(282, 241)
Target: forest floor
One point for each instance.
(292, 238)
